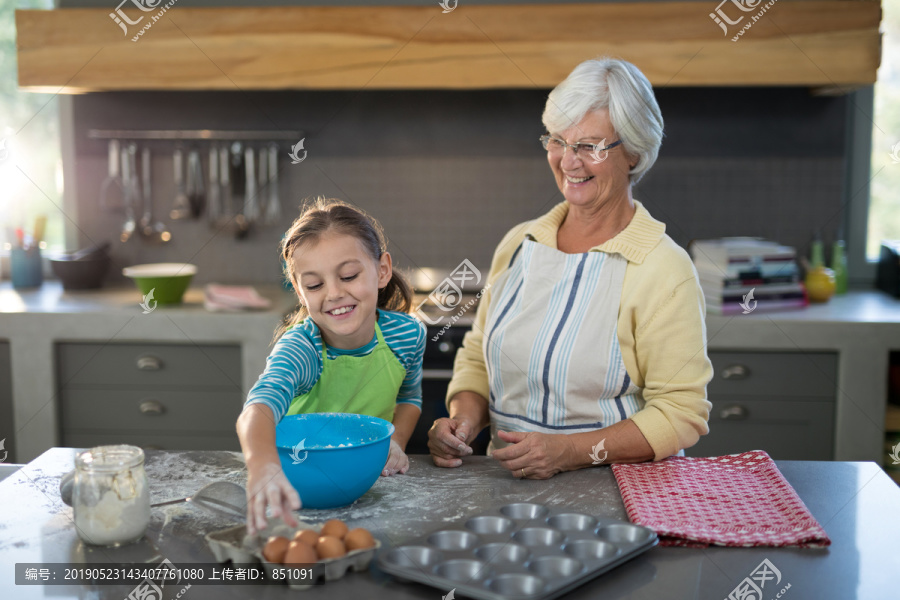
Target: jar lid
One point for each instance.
(110, 458)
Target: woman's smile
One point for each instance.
(574, 181)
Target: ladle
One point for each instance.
(153, 231)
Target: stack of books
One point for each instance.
(740, 275)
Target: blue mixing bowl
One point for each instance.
(332, 459)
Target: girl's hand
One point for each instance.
(542, 455)
(267, 486)
(397, 461)
(447, 441)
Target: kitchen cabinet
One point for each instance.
(822, 43)
(780, 402)
(163, 396)
(7, 424)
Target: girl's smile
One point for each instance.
(338, 284)
(341, 311)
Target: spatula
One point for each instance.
(221, 497)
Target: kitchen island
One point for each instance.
(856, 503)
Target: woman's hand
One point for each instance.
(541, 455)
(447, 441)
(267, 486)
(397, 461)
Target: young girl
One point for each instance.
(351, 347)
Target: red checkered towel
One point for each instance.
(735, 500)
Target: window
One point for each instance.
(30, 160)
(884, 200)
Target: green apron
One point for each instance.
(363, 385)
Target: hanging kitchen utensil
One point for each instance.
(214, 210)
(262, 172)
(180, 207)
(222, 497)
(238, 189)
(130, 190)
(153, 231)
(113, 179)
(237, 173)
(273, 205)
(195, 189)
(251, 191)
(225, 185)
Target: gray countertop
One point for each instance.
(51, 298)
(856, 503)
(862, 326)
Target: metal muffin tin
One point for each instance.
(524, 551)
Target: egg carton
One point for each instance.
(523, 551)
(235, 545)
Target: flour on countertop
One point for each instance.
(177, 476)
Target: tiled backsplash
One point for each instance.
(447, 173)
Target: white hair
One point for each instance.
(620, 87)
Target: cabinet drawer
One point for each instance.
(786, 429)
(156, 441)
(766, 374)
(148, 364)
(157, 411)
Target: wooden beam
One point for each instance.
(818, 43)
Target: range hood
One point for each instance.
(832, 45)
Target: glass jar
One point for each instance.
(110, 495)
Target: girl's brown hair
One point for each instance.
(329, 214)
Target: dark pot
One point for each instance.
(81, 274)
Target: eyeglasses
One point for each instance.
(583, 150)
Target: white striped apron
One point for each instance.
(551, 348)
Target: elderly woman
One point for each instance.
(589, 345)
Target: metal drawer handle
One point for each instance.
(446, 347)
(152, 407)
(149, 363)
(735, 412)
(735, 372)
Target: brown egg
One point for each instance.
(299, 553)
(275, 549)
(334, 528)
(307, 536)
(330, 547)
(357, 539)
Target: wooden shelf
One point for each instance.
(832, 45)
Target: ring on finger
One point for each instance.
(523, 472)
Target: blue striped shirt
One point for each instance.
(295, 363)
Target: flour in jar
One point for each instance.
(104, 518)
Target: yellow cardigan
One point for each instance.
(661, 328)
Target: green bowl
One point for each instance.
(166, 281)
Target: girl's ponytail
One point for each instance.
(397, 295)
